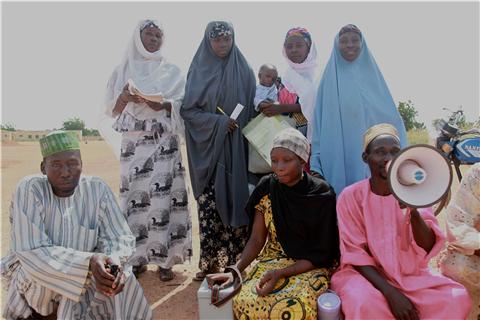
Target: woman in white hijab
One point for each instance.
(144, 95)
(296, 94)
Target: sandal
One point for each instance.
(199, 276)
(166, 274)
(138, 269)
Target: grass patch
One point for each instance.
(417, 136)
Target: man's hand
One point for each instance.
(267, 283)
(119, 282)
(105, 282)
(402, 205)
(402, 308)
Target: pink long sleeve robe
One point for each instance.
(374, 231)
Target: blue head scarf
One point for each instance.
(352, 97)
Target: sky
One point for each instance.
(58, 56)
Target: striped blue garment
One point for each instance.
(52, 240)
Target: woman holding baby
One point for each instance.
(297, 90)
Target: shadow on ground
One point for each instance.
(175, 299)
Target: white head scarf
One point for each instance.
(300, 79)
(293, 140)
(152, 74)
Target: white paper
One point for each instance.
(261, 131)
(236, 111)
(157, 97)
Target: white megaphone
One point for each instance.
(419, 176)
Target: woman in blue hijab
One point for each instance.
(352, 97)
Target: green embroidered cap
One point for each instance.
(59, 141)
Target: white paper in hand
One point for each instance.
(156, 97)
(238, 109)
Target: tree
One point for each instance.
(7, 127)
(409, 114)
(73, 124)
(90, 132)
(79, 124)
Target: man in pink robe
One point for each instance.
(385, 249)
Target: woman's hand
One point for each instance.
(267, 283)
(126, 96)
(269, 109)
(232, 125)
(222, 279)
(123, 99)
(157, 106)
(167, 105)
(401, 307)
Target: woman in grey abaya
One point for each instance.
(218, 79)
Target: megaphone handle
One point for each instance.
(442, 203)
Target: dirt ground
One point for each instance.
(176, 299)
(172, 300)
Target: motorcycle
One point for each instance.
(460, 147)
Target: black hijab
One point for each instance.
(304, 217)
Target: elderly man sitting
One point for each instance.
(67, 238)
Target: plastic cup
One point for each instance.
(329, 306)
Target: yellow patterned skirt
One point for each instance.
(293, 298)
